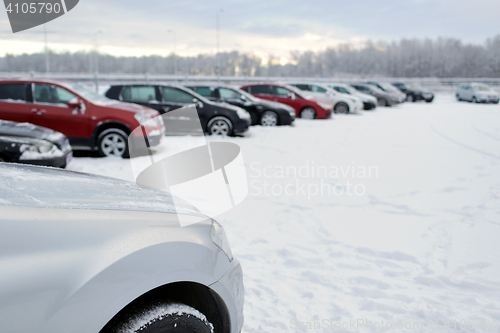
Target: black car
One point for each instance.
(30, 144)
(414, 92)
(215, 118)
(265, 113)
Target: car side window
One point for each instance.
(228, 94)
(259, 90)
(127, 94)
(45, 93)
(143, 93)
(13, 92)
(174, 95)
(279, 91)
(205, 91)
(319, 89)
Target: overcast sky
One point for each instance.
(261, 26)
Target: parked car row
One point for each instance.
(72, 113)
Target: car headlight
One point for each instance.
(243, 114)
(325, 106)
(39, 151)
(218, 236)
(142, 118)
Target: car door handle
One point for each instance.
(38, 111)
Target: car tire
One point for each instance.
(220, 126)
(382, 102)
(341, 108)
(269, 118)
(308, 113)
(113, 142)
(458, 97)
(410, 98)
(169, 318)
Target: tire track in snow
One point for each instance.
(462, 144)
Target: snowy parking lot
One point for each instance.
(387, 217)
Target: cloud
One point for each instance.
(259, 26)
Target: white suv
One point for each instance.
(477, 93)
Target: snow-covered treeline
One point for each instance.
(443, 57)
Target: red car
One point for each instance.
(306, 106)
(89, 120)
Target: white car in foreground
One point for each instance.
(477, 93)
(83, 253)
(342, 103)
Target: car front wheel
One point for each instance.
(113, 142)
(219, 126)
(382, 102)
(170, 318)
(341, 108)
(308, 113)
(269, 118)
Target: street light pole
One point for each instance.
(217, 25)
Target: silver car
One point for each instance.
(477, 93)
(82, 253)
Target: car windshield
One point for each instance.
(348, 88)
(295, 90)
(88, 94)
(247, 95)
(194, 94)
(414, 86)
(389, 87)
(481, 87)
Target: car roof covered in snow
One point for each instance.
(43, 187)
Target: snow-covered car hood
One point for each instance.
(27, 186)
(27, 130)
(366, 97)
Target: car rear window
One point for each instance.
(14, 91)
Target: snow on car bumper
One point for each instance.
(230, 289)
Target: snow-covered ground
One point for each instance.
(389, 218)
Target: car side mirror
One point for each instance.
(291, 96)
(74, 103)
(243, 97)
(197, 102)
